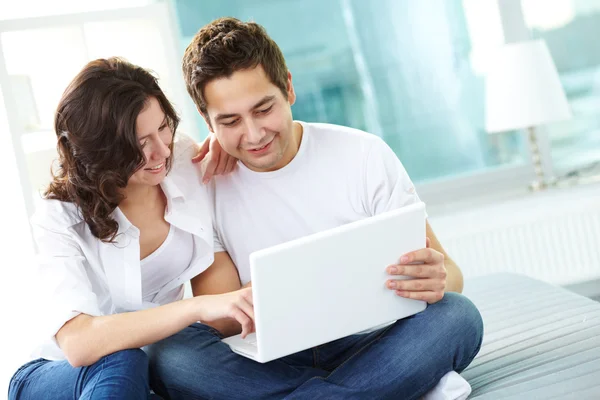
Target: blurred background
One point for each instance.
(410, 71)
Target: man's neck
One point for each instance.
(294, 144)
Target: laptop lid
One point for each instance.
(331, 284)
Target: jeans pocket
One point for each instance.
(216, 332)
(209, 329)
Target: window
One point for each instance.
(42, 55)
(571, 29)
(407, 71)
(40, 8)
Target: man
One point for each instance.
(294, 179)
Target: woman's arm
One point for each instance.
(85, 339)
(221, 277)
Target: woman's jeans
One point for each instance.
(121, 375)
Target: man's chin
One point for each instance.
(262, 165)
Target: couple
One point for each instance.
(126, 222)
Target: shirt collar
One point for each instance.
(171, 192)
(170, 189)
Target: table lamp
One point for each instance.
(523, 91)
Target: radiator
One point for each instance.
(551, 236)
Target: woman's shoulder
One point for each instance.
(56, 215)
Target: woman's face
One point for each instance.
(155, 136)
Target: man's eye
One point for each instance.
(265, 110)
(232, 123)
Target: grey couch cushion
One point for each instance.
(540, 341)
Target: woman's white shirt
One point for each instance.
(81, 274)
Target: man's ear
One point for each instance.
(291, 93)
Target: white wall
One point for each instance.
(16, 250)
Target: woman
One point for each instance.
(124, 224)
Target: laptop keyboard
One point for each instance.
(251, 340)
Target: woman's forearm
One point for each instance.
(86, 339)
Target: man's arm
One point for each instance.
(454, 277)
(433, 273)
(220, 277)
(389, 187)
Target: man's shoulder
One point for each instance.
(338, 132)
(184, 148)
(340, 138)
(183, 171)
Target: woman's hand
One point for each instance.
(216, 160)
(237, 305)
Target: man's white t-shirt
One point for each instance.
(338, 176)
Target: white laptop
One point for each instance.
(329, 285)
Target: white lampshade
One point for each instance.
(523, 89)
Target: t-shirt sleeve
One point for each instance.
(218, 243)
(388, 186)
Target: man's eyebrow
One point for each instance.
(262, 102)
(220, 117)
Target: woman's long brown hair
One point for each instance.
(98, 149)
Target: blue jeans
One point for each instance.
(402, 361)
(121, 375)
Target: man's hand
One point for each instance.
(426, 267)
(216, 161)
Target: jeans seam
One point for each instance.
(316, 357)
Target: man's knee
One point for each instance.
(463, 322)
(190, 351)
(460, 308)
(187, 361)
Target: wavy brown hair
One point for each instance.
(98, 148)
(225, 46)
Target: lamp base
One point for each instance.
(537, 186)
(540, 183)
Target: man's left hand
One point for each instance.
(216, 160)
(428, 272)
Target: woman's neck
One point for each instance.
(140, 195)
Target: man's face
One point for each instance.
(252, 119)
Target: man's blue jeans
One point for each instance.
(122, 375)
(402, 361)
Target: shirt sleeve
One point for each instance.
(66, 290)
(387, 184)
(218, 244)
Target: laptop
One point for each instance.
(329, 285)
